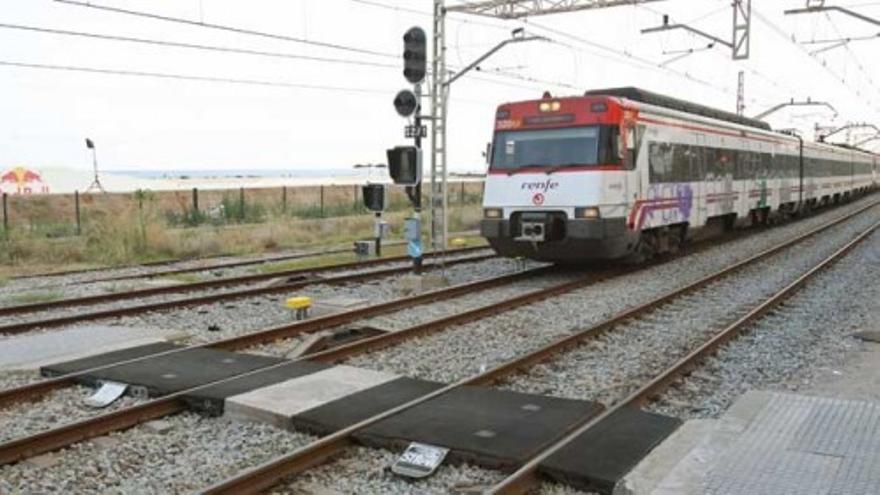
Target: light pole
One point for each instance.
(96, 184)
(440, 87)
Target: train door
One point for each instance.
(636, 163)
(699, 182)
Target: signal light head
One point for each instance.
(415, 55)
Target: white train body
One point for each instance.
(630, 173)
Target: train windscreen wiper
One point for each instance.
(557, 168)
(518, 169)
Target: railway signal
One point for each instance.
(405, 103)
(415, 55)
(374, 200)
(374, 197)
(405, 165)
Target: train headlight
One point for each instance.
(493, 213)
(586, 213)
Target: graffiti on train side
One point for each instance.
(665, 203)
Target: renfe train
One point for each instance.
(626, 173)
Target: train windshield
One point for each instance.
(553, 148)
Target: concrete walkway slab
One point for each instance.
(772, 443)
(30, 352)
(212, 400)
(278, 403)
(490, 427)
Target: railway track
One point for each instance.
(527, 475)
(205, 267)
(173, 403)
(213, 284)
(67, 434)
(302, 278)
(273, 472)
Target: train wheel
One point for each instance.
(643, 251)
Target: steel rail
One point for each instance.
(526, 476)
(260, 261)
(25, 326)
(221, 266)
(209, 284)
(274, 471)
(37, 389)
(59, 437)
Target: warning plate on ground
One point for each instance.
(419, 460)
(106, 395)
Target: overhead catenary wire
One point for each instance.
(780, 32)
(194, 46)
(245, 51)
(190, 77)
(611, 53)
(232, 29)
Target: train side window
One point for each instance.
(660, 161)
(723, 164)
(681, 163)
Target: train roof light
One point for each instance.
(549, 106)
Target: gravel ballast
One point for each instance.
(269, 306)
(196, 451)
(177, 454)
(810, 335)
(463, 351)
(58, 408)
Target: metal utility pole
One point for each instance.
(741, 93)
(415, 192)
(96, 183)
(439, 196)
(440, 84)
(793, 103)
(742, 28)
(740, 40)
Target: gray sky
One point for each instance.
(151, 123)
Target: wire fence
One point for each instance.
(61, 215)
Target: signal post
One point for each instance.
(405, 162)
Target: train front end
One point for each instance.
(559, 178)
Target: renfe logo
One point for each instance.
(549, 185)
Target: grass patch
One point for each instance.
(3, 281)
(35, 297)
(133, 236)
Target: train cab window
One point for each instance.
(549, 148)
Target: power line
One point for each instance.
(227, 49)
(629, 58)
(220, 27)
(784, 35)
(193, 46)
(190, 77)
